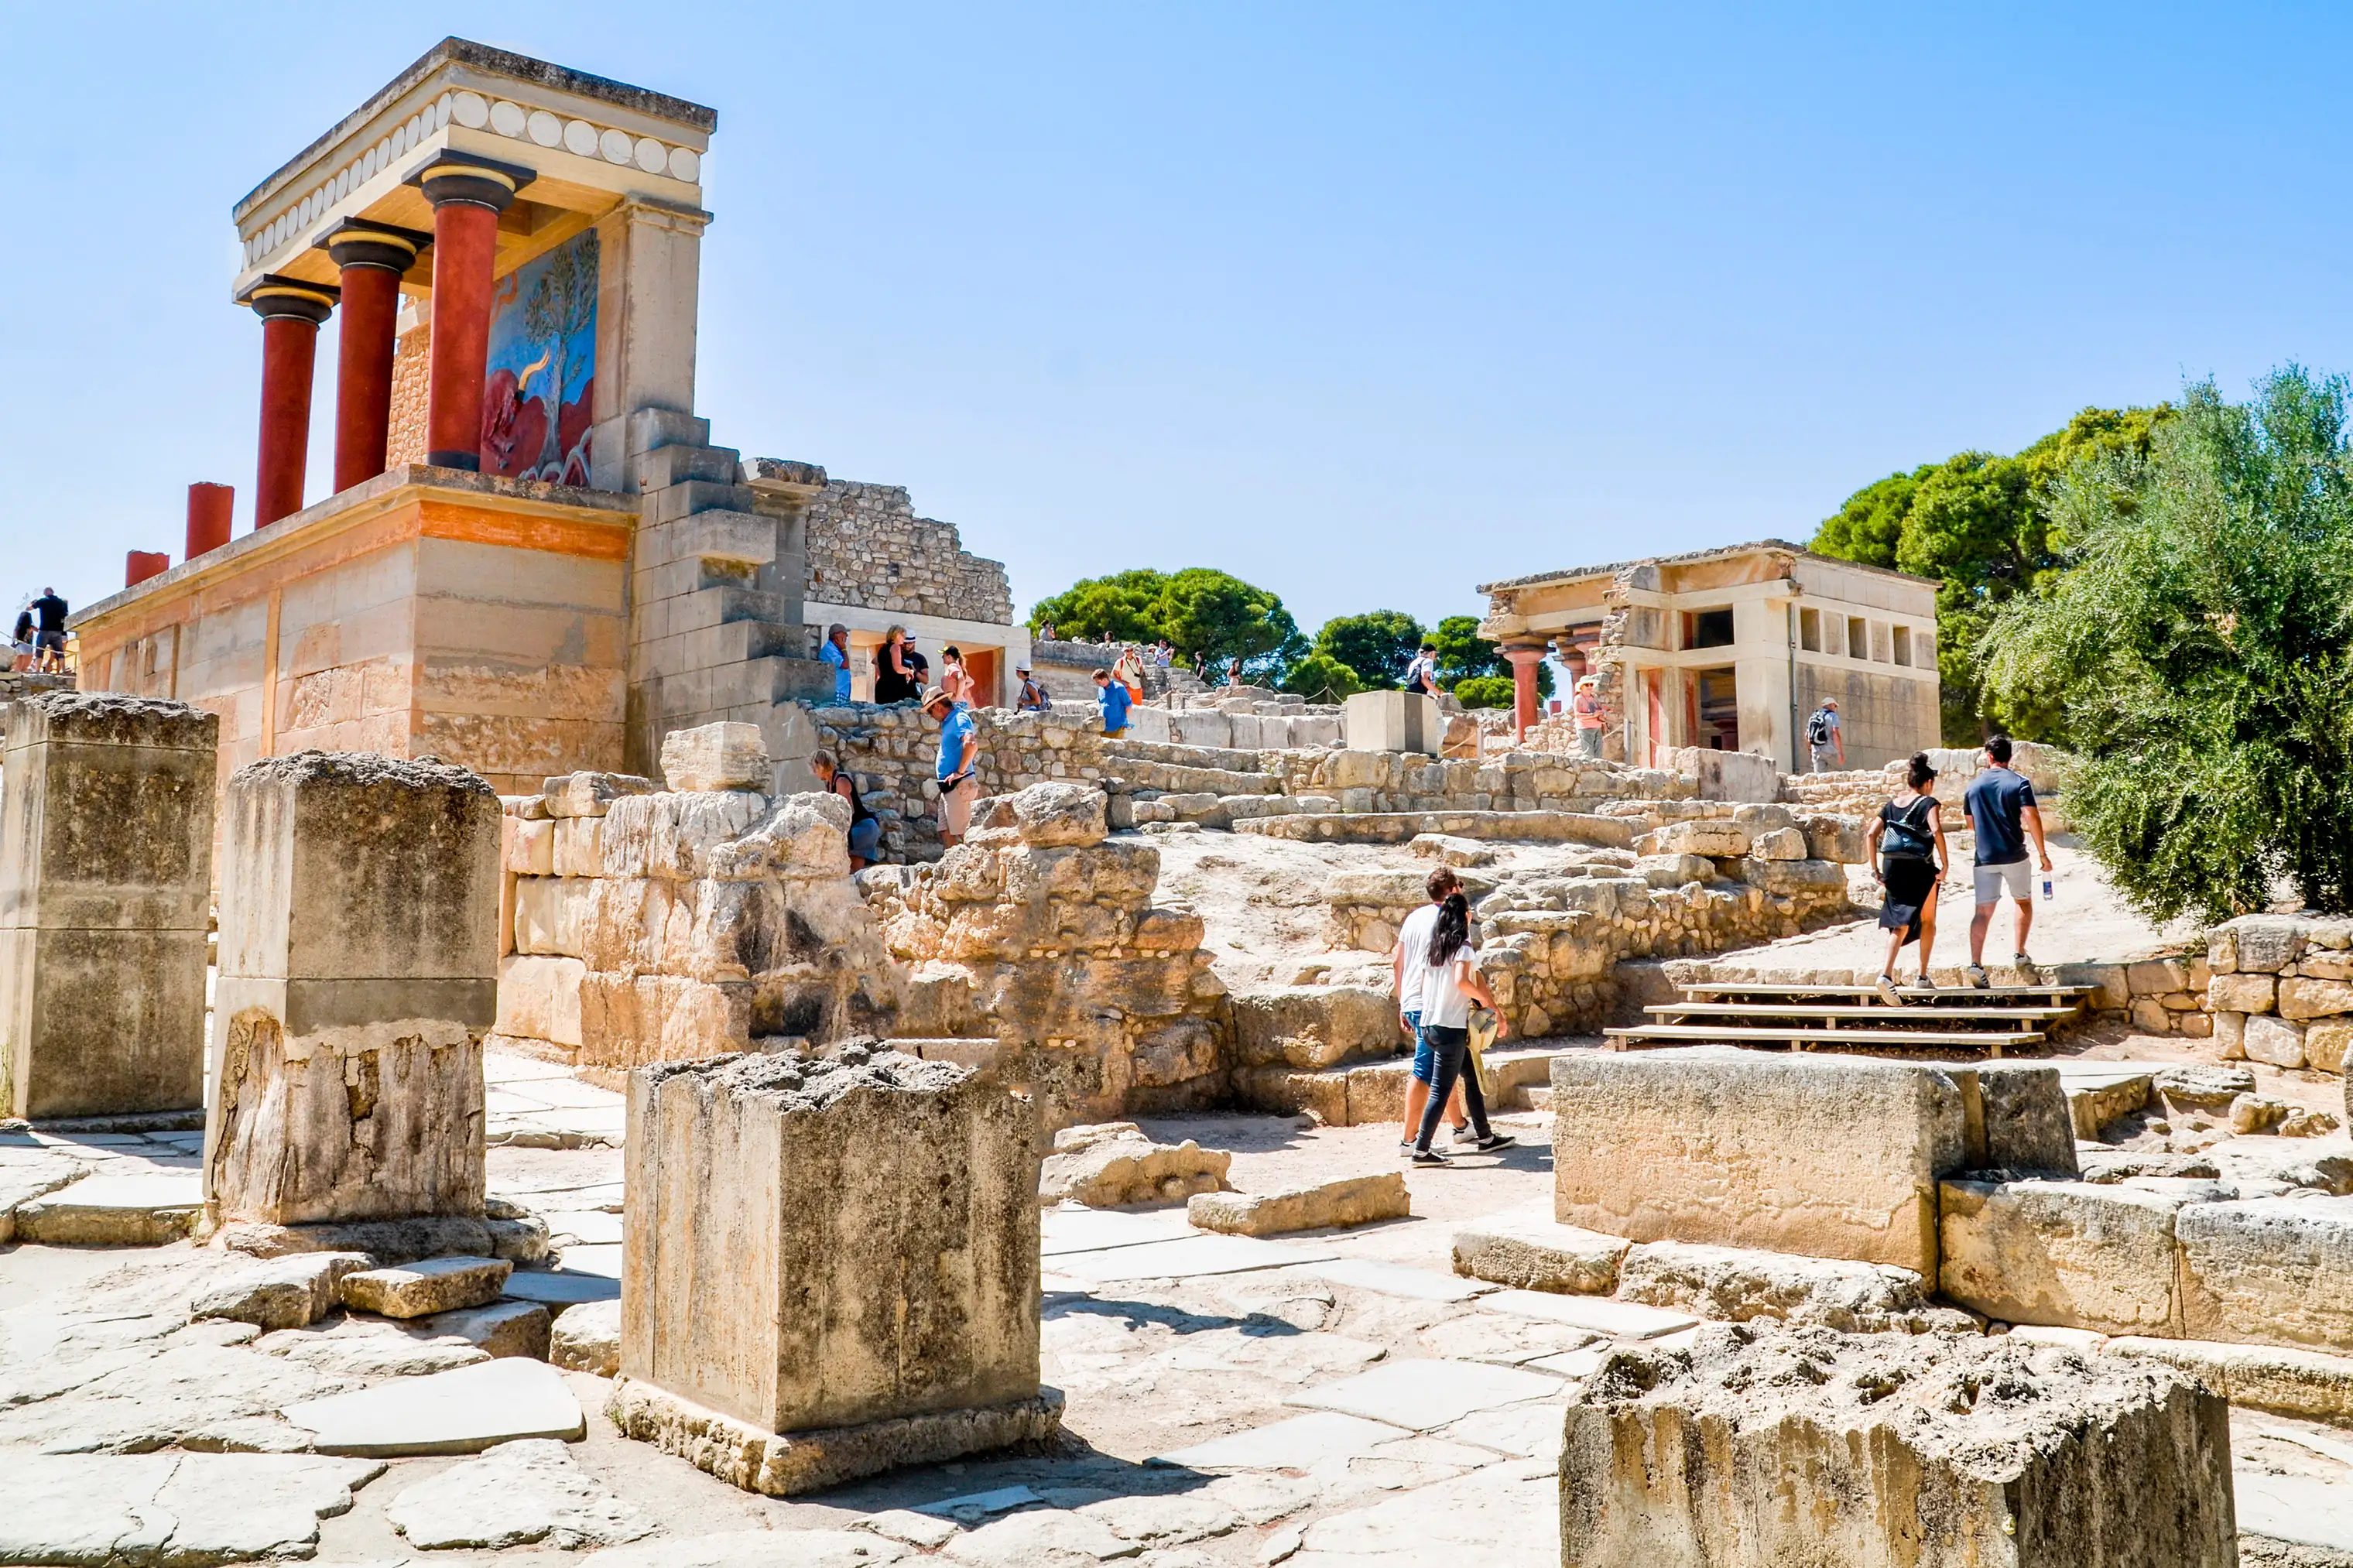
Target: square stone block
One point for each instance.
(2271, 1271)
(1390, 721)
(1771, 1449)
(106, 838)
(818, 1245)
(2063, 1254)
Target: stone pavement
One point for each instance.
(1332, 1400)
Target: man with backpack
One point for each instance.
(1822, 738)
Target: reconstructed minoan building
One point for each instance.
(1730, 649)
(533, 561)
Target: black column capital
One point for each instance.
(461, 177)
(273, 296)
(355, 242)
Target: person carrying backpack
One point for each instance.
(1907, 845)
(1822, 738)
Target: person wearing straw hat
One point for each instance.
(959, 753)
(1586, 706)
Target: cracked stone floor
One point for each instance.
(1329, 1401)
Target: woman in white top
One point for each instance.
(1450, 983)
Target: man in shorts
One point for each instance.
(2001, 810)
(1405, 978)
(959, 753)
(1825, 746)
(1116, 700)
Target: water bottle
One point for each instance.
(2050, 887)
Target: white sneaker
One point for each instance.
(1975, 975)
(1885, 987)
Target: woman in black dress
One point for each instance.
(893, 678)
(1907, 842)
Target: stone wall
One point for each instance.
(1039, 934)
(892, 753)
(646, 926)
(412, 384)
(2280, 990)
(867, 547)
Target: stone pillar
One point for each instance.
(210, 507)
(373, 258)
(829, 1268)
(106, 855)
(138, 565)
(359, 941)
(290, 313)
(649, 293)
(1524, 661)
(468, 195)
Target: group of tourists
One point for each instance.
(1446, 1010)
(39, 641)
(1909, 848)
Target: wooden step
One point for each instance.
(1796, 1009)
(1992, 1042)
(1936, 994)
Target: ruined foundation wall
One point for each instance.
(2280, 990)
(867, 547)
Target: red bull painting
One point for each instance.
(539, 398)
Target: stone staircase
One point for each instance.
(1804, 1017)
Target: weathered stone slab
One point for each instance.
(715, 757)
(1310, 1026)
(587, 1338)
(592, 793)
(498, 1329)
(439, 1285)
(1766, 1448)
(1619, 1320)
(171, 1509)
(1111, 1164)
(1342, 1202)
(1295, 1443)
(2309, 1383)
(113, 1211)
(2272, 1271)
(2068, 1255)
(1420, 1394)
(812, 1458)
(1824, 1157)
(1069, 1229)
(106, 848)
(460, 1412)
(358, 973)
(754, 1549)
(561, 1288)
(284, 1293)
(519, 1493)
(1738, 1284)
(1534, 1253)
(522, 1241)
(1395, 1279)
(877, 1221)
(1193, 1257)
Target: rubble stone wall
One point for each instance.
(2280, 990)
(867, 547)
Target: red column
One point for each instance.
(467, 200)
(1524, 686)
(138, 565)
(373, 261)
(290, 313)
(209, 509)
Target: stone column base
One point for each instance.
(783, 1464)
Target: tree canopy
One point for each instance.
(1320, 677)
(2196, 647)
(1980, 524)
(1198, 609)
(1376, 645)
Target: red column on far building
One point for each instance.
(1524, 661)
(467, 196)
(210, 507)
(290, 312)
(372, 259)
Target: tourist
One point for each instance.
(1115, 702)
(836, 652)
(1034, 698)
(1045, 632)
(1585, 708)
(1128, 670)
(1824, 740)
(1450, 983)
(1201, 665)
(919, 668)
(1422, 671)
(1234, 671)
(1907, 846)
(1405, 983)
(2001, 811)
(865, 831)
(894, 678)
(959, 755)
(954, 681)
(49, 611)
(21, 644)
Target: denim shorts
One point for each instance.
(1425, 1060)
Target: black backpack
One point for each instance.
(1818, 728)
(1905, 836)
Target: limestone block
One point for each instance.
(2264, 944)
(2016, 1116)
(2262, 1377)
(675, 836)
(804, 837)
(538, 998)
(282, 1293)
(1343, 1200)
(1738, 1284)
(2064, 1253)
(1311, 1025)
(1778, 844)
(2111, 992)
(2301, 997)
(1714, 837)
(1530, 1252)
(2235, 993)
(593, 794)
(715, 757)
(2275, 1271)
(528, 847)
(876, 1221)
(2325, 1042)
(1827, 1156)
(1765, 1448)
(1674, 871)
(358, 972)
(1841, 838)
(438, 1285)
(106, 847)
(2277, 1041)
(587, 1338)
(579, 846)
(1054, 815)
(1388, 722)
(2201, 1085)
(1113, 1165)
(1816, 879)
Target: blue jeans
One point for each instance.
(1424, 1063)
(1450, 1047)
(866, 839)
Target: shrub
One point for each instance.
(1483, 692)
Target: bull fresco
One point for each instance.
(538, 400)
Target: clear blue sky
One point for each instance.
(1366, 303)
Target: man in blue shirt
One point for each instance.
(2001, 810)
(836, 652)
(959, 753)
(1115, 703)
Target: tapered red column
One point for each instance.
(290, 313)
(373, 260)
(466, 199)
(1524, 661)
(210, 507)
